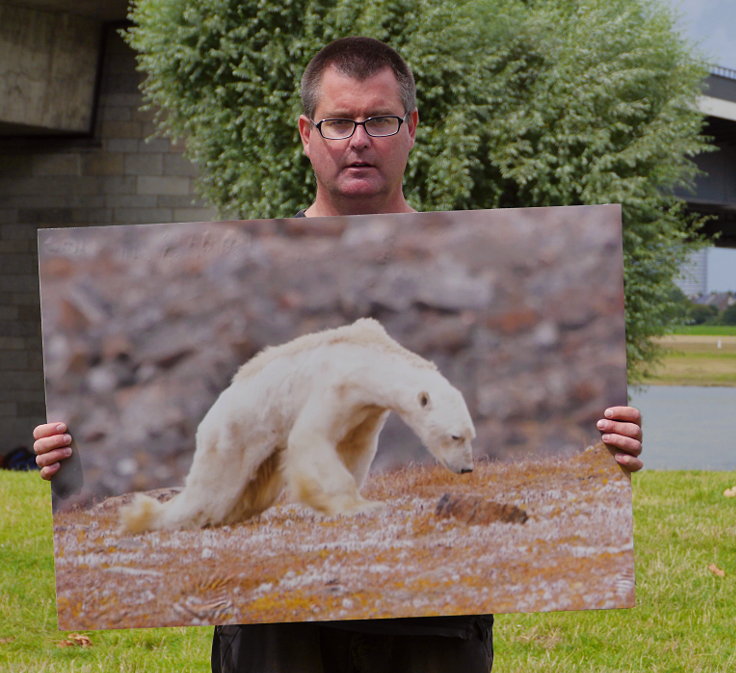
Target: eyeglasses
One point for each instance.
(376, 127)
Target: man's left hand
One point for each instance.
(621, 431)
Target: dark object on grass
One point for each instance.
(20, 459)
(473, 509)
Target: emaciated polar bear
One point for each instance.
(306, 415)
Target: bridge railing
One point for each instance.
(730, 73)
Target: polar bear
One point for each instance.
(305, 416)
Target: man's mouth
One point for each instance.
(360, 164)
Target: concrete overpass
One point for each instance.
(715, 190)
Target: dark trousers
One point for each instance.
(320, 648)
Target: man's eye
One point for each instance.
(338, 124)
(382, 123)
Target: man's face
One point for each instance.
(360, 173)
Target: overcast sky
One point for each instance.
(711, 25)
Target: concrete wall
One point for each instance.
(48, 70)
(115, 177)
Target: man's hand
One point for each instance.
(621, 431)
(52, 445)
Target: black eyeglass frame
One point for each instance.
(401, 120)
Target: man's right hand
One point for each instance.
(52, 445)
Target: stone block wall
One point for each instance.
(118, 176)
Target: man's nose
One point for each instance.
(360, 137)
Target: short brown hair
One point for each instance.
(358, 57)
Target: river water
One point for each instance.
(687, 427)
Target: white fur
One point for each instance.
(306, 416)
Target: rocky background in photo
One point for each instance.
(144, 326)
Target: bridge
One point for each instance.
(715, 189)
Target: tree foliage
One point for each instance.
(522, 103)
(729, 315)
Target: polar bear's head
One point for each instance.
(442, 421)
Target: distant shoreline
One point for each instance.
(695, 360)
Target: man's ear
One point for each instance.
(305, 131)
(411, 123)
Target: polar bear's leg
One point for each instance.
(358, 447)
(196, 506)
(262, 491)
(227, 472)
(314, 472)
(222, 467)
(186, 510)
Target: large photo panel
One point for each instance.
(337, 418)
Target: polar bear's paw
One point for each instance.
(364, 507)
(340, 504)
(354, 507)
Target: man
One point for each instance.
(358, 127)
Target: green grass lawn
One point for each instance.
(29, 639)
(706, 330)
(684, 620)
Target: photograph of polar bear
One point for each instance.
(337, 418)
(327, 397)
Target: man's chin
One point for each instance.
(361, 188)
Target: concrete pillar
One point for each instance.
(48, 71)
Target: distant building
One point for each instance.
(693, 278)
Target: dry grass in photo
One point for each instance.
(550, 534)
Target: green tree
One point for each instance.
(703, 314)
(522, 103)
(681, 309)
(728, 317)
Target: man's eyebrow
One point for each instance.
(379, 112)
